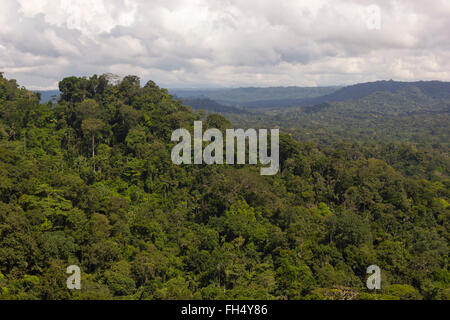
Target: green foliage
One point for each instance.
(403, 291)
(89, 181)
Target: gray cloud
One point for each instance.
(225, 42)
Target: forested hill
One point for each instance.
(282, 97)
(254, 97)
(408, 113)
(432, 89)
(207, 104)
(223, 100)
(89, 181)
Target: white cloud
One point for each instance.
(224, 42)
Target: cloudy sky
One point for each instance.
(225, 43)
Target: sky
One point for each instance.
(225, 43)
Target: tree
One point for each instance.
(92, 127)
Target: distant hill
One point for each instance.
(265, 97)
(432, 89)
(257, 97)
(281, 97)
(236, 100)
(210, 105)
(385, 111)
(195, 93)
(408, 100)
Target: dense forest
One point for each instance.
(409, 115)
(88, 181)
